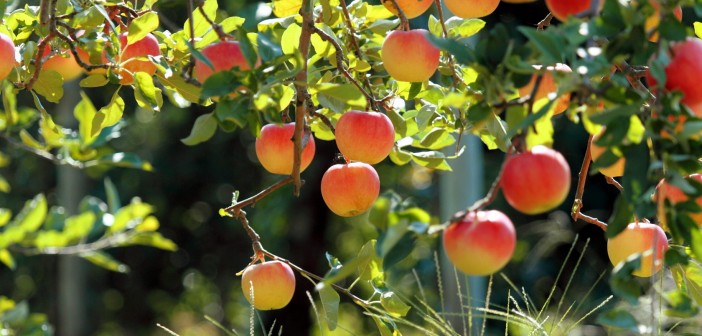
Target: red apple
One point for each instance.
(684, 71)
(411, 8)
(409, 56)
(275, 149)
(223, 56)
(365, 136)
(273, 285)
(668, 192)
(468, 9)
(614, 170)
(481, 243)
(65, 63)
(7, 55)
(548, 87)
(646, 238)
(129, 64)
(562, 9)
(653, 21)
(536, 181)
(350, 189)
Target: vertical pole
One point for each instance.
(458, 190)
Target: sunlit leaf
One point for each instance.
(204, 128)
(49, 85)
(153, 239)
(105, 261)
(141, 26)
(330, 302)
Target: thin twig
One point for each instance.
(234, 209)
(578, 201)
(545, 22)
(612, 181)
(100, 244)
(404, 23)
(301, 90)
(356, 48)
(448, 55)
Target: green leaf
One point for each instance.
(621, 217)
(436, 138)
(5, 215)
(698, 29)
(141, 26)
(85, 113)
(461, 28)
(282, 8)
(77, 227)
(53, 135)
(619, 318)
(546, 42)
(399, 251)
(462, 53)
(340, 97)
(93, 81)
(109, 115)
(393, 304)
(113, 200)
(188, 91)
(4, 185)
(32, 215)
(431, 159)
(153, 239)
(126, 160)
(200, 25)
(203, 129)
(220, 84)
(146, 93)
(7, 259)
(679, 305)
(105, 261)
(129, 216)
(623, 282)
(330, 303)
(49, 85)
(28, 140)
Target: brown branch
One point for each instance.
(301, 92)
(100, 244)
(582, 176)
(324, 119)
(215, 26)
(234, 209)
(592, 220)
(356, 48)
(448, 55)
(612, 181)
(545, 22)
(187, 71)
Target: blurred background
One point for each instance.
(190, 184)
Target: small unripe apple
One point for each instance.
(616, 169)
(562, 9)
(668, 192)
(645, 238)
(275, 149)
(7, 55)
(273, 285)
(364, 136)
(684, 71)
(65, 63)
(654, 20)
(548, 87)
(350, 189)
(224, 55)
(469, 9)
(536, 181)
(129, 64)
(408, 56)
(411, 8)
(481, 243)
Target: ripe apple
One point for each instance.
(273, 284)
(666, 191)
(562, 9)
(646, 238)
(223, 55)
(684, 71)
(468, 9)
(481, 243)
(409, 56)
(518, 1)
(350, 189)
(365, 136)
(653, 21)
(275, 149)
(548, 86)
(129, 64)
(65, 63)
(411, 8)
(616, 169)
(7, 55)
(536, 181)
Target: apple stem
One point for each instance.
(404, 23)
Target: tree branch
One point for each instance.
(301, 93)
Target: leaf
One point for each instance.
(220, 84)
(200, 25)
(393, 304)
(7, 259)
(113, 201)
(203, 129)
(545, 42)
(28, 140)
(32, 215)
(93, 81)
(127, 160)
(78, 227)
(4, 185)
(153, 239)
(49, 85)
(698, 29)
(619, 318)
(399, 250)
(5, 215)
(141, 26)
(283, 8)
(85, 113)
(129, 216)
(621, 217)
(330, 301)
(146, 93)
(105, 261)
(108, 115)
(340, 97)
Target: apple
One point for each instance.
(668, 192)
(129, 64)
(411, 8)
(65, 63)
(518, 1)
(468, 9)
(7, 55)
(223, 55)
(683, 72)
(350, 189)
(409, 56)
(273, 284)
(654, 19)
(275, 149)
(536, 181)
(481, 243)
(562, 9)
(645, 238)
(616, 169)
(364, 136)
(548, 86)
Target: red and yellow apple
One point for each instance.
(536, 181)
(7, 55)
(350, 189)
(411, 8)
(645, 238)
(273, 285)
(408, 56)
(518, 1)
(684, 71)
(668, 192)
(129, 57)
(548, 87)
(562, 9)
(654, 20)
(223, 55)
(481, 243)
(364, 136)
(616, 169)
(468, 9)
(65, 63)
(275, 149)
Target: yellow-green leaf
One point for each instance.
(106, 261)
(153, 239)
(50, 85)
(283, 8)
(141, 26)
(146, 93)
(32, 215)
(130, 216)
(204, 128)
(85, 113)
(7, 259)
(5, 215)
